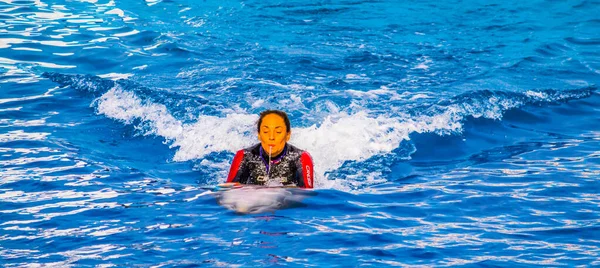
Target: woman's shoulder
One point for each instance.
(254, 149)
(296, 150)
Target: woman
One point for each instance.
(272, 162)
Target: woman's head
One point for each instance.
(273, 131)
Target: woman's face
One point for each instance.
(273, 134)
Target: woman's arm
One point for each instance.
(307, 177)
(235, 172)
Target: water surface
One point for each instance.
(444, 133)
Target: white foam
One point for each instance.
(126, 106)
(340, 137)
(344, 137)
(208, 134)
(215, 134)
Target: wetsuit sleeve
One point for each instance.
(236, 170)
(305, 171)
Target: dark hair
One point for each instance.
(283, 115)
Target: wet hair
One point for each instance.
(282, 114)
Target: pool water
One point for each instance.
(444, 133)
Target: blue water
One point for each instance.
(444, 133)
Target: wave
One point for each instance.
(180, 105)
(340, 138)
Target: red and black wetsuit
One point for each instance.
(292, 167)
